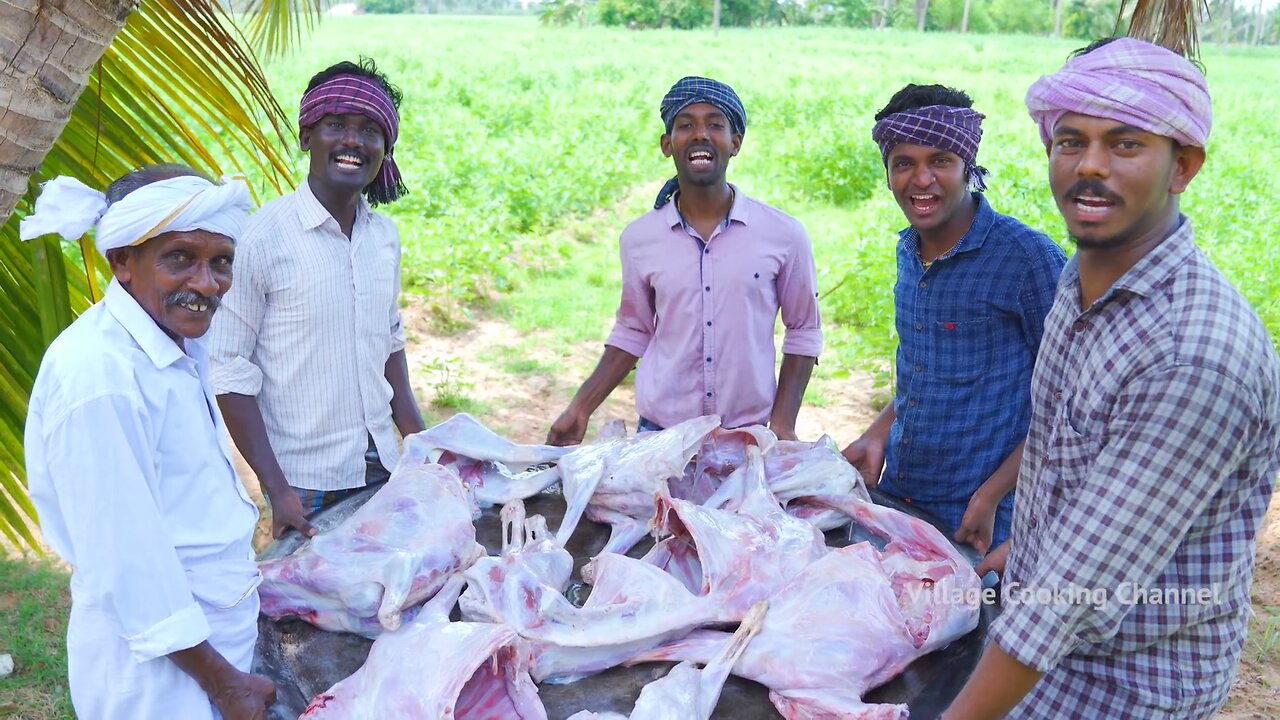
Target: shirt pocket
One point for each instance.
(1071, 454)
(963, 350)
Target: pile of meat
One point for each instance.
(737, 517)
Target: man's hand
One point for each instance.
(784, 433)
(978, 524)
(243, 697)
(568, 429)
(866, 454)
(286, 513)
(995, 560)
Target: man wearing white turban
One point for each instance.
(128, 464)
(1152, 451)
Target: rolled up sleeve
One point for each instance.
(234, 334)
(1175, 436)
(634, 326)
(103, 472)
(797, 287)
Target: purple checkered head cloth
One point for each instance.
(946, 127)
(1129, 81)
(359, 95)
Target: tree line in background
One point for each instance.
(1235, 22)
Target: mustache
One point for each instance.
(191, 298)
(1092, 188)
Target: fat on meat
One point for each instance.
(634, 605)
(687, 693)
(614, 481)
(738, 555)
(494, 469)
(393, 553)
(434, 668)
(853, 619)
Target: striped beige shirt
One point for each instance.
(307, 328)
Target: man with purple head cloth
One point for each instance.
(1152, 451)
(705, 275)
(308, 352)
(969, 304)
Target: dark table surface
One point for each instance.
(304, 661)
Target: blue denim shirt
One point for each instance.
(968, 328)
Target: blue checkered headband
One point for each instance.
(954, 129)
(690, 90)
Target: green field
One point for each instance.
(514, 134)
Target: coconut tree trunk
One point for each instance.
(715, 18)
(47, 51)
(964, 19)
(922, 12)
(1057, 17)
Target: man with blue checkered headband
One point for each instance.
(705, 275)
(972, 293)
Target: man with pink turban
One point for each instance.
(1152, 451)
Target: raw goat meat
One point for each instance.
(392, 553)
(496, 470)
(852, 620)
(735, 556)
(433, 668)
(634, 606)
(687, 693)
(614, 481)
(721, 452)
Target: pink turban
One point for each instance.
(1129, 81)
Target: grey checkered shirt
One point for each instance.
(1149, 463)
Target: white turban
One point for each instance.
(69, 208)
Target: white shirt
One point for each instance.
(130, 472)
(307, 328)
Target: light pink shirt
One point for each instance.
(701, 318)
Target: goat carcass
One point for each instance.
(393, 553)
(433, 668)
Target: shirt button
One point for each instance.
(1078, 326)
(922, 284)
(706, 252)
(919, 326)
(708, 359)
(919, 368)
(1057, 395)
(708, 394)
(708, 323)
(901, 474)
(911, 403)
(707, 288)
(906, 441)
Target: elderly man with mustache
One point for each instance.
(127, 462)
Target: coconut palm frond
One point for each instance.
(1171, 24)
(179, 83)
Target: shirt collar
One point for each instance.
(738, 212)
(975, 237)
(311, 214)
(158, 346)
(1157, 265)
(1149, 273)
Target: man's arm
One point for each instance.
(404, 408)
(978, 525)
(1174, 436)
(571, 426)
(867, 452)
(997, 684)
(793, 378)
(236, 695)
(244, 422)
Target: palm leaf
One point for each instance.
(179, 83)
(1170, 24)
